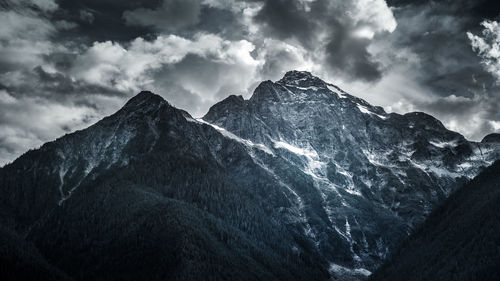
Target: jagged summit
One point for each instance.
(301, 79)
(293, 86)
(297, 74)
(145, 97)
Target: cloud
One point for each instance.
(488, 47)
(171, 15)
(24, 37)
(429, 66)
(38, 101)
(471, 116)
(339, 32)
(279, 57)
(207, 66)
(37, 106)
(287, 18)
(41, 120)
(85, 58)
(45, 5)
(87, 16)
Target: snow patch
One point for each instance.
(62, 174)
(444, 144)
(336, 268)
(365, 110)
(314, 167)
(440, 172)
(314, 88)
(232, 136)
(336, 91)
(296, 150)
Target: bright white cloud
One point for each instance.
(372, 16)
(26, 35)
(487, 46)
(133, 68)
(41, 121)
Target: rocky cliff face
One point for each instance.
(371, 176)
(300, 182)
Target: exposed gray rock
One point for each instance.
(376, 175)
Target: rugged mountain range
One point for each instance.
(460, 240)
(300, 182)
(372, 176)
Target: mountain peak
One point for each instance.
(301, 79)
(145, 98)
(297, 74)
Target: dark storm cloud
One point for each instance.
(484, 9)
(123, 21)
(53, 86)
(287, 18)
(218, 21)
(87, 16)
(170, 15)
(101, 20)
(345, 52)
(335, 25)
(436, 32)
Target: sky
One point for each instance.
(65, 64)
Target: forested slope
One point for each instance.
(460, 240)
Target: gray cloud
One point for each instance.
(87, 16)
(99, 20)
(345, 53)
(65, 64)
(287, 18)
(170, 15)
(341, 31)
(38, 100)
(431, 66)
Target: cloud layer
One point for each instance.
(65, 64)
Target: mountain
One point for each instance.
(371, 176)
(151, 194)
(460, 239)
(300, 182)
(494, 137)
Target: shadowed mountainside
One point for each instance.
(460, 240)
